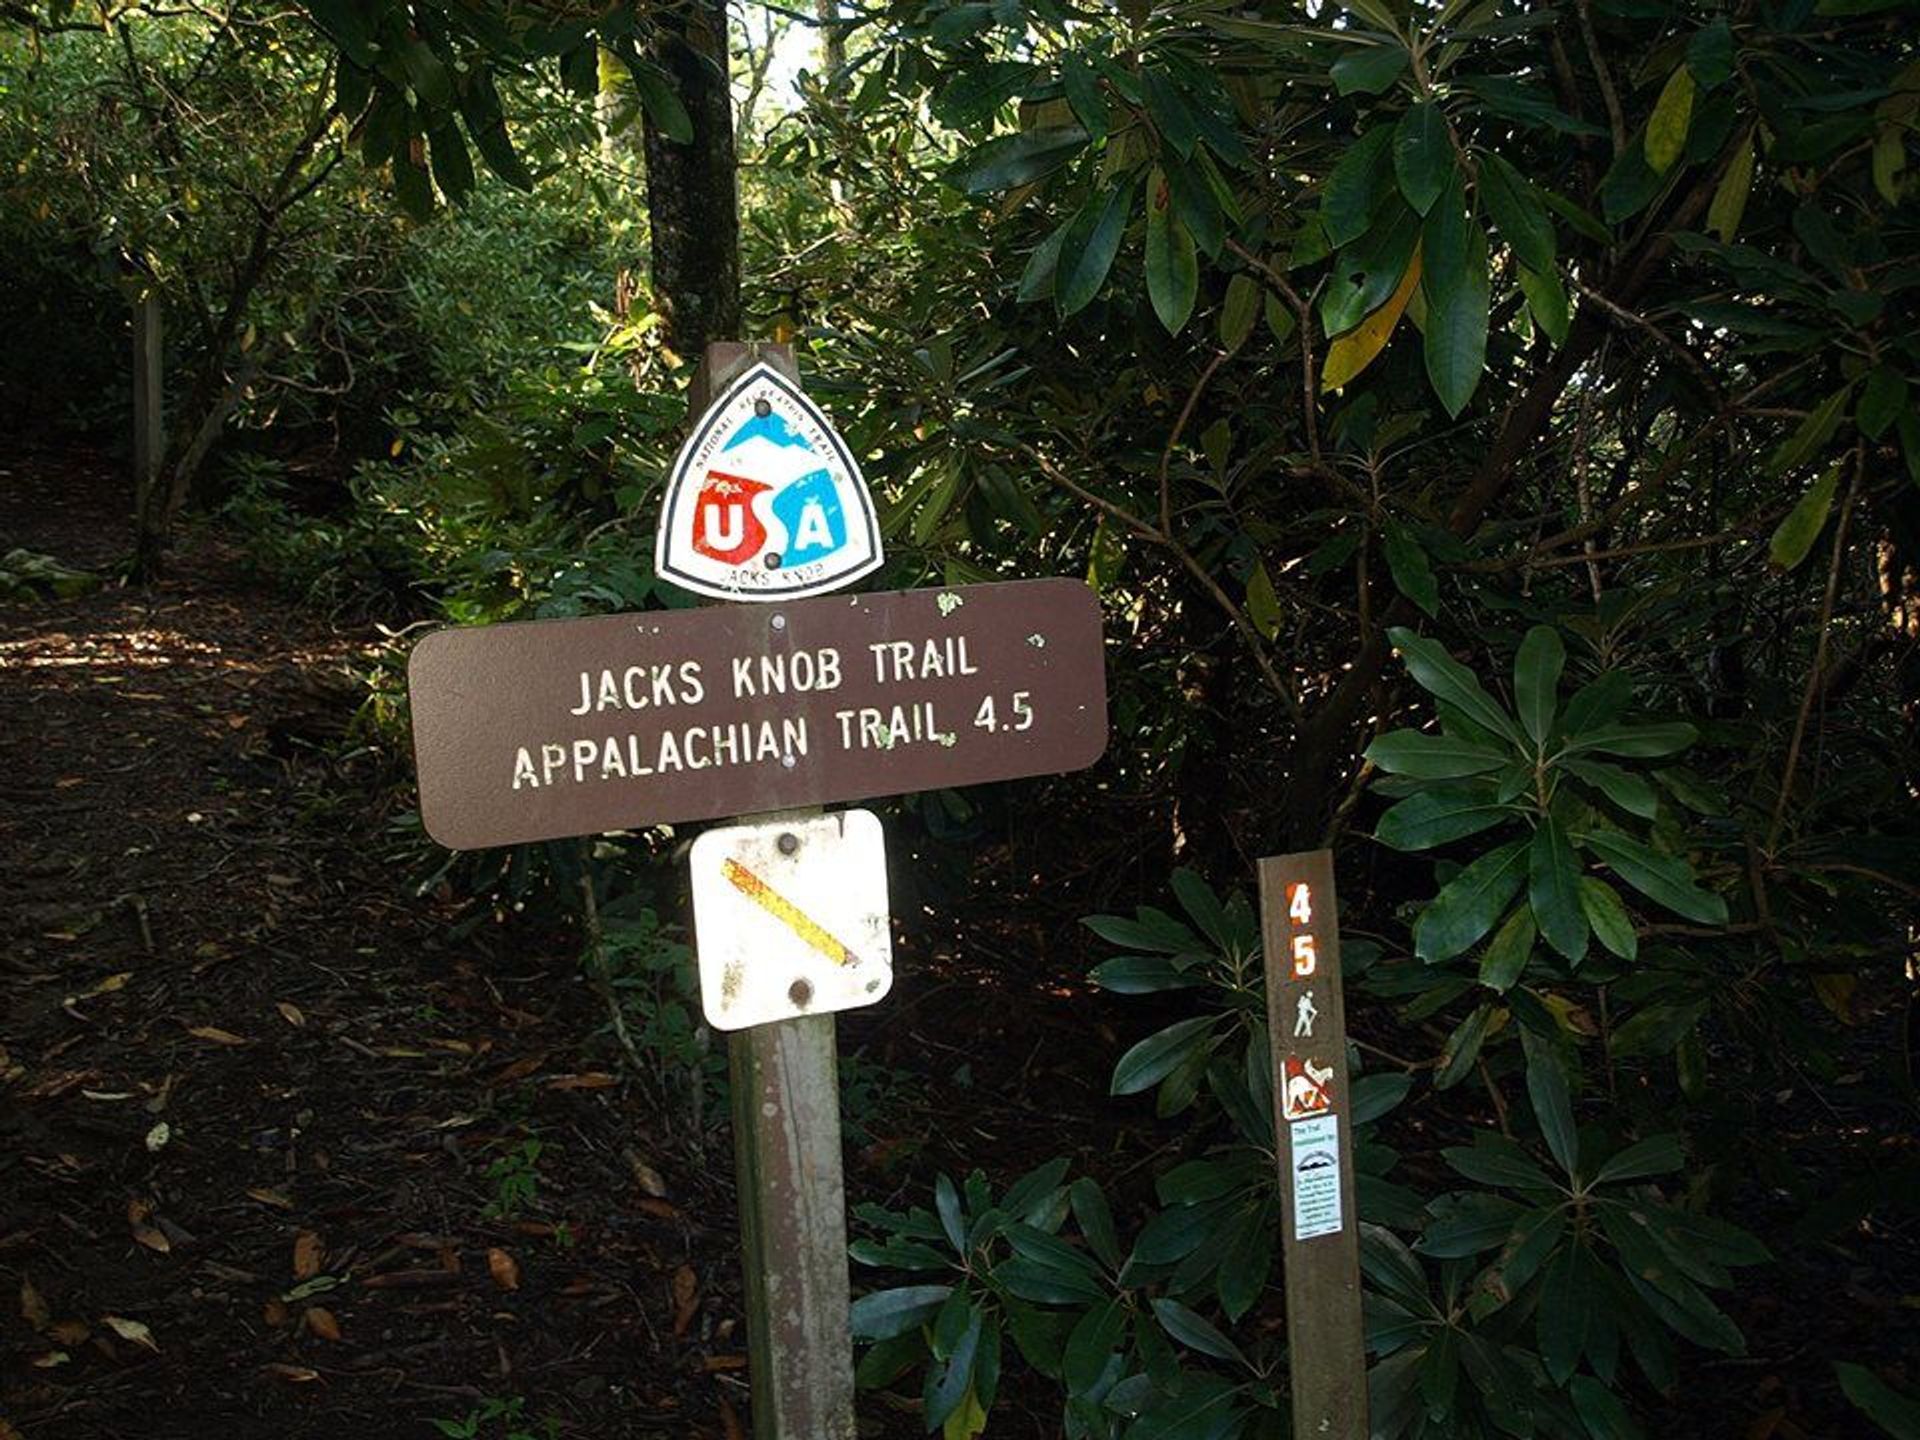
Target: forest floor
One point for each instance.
(265, 1106)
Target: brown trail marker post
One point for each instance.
(1320, 1240)
(542, 729)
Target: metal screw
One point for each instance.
(779, 622)
(801, 993)
(788, 761)
(788, 843)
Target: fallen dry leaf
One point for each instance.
(158, 1137)
(153, 1239)
(274, 1314)
(647, 1177)
(308, 1255)
(713, 1364)
(590, 1080)
(131, 1330)
(320, 1322)
(216, 1035)
(659, 1209)
(520, 1069)
(292, 1374)
(49, 1360)
(33, 1309)
(291, 1013)
(270, 1197)
(71, 1333)
(731, 1421)
(505, 1269)
(686, 1299)
(106, 986)
(7, 1432)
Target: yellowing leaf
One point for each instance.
(291, 1013)
(1352, 352)
(967, 1421)
(1730, 195)
(1263, 605)
(1667, 126)
(131, 1330)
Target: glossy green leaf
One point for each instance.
(948, 1384)
(1167, 107)
(893, 1312)
(1498, 1161)
(452, 166)
(1370, 70)
(1468, 906)
(1408, 564)
(1664, 879)
(1883, 399)
(665, 112)
(1598, 703)
(1458, 294)
(1037, 280)
(1446, 679)
(1172, 269)
(1433, 757)
(1355, 185)
(1656, 1155)
(1422, 154)
(1793, 537)
(1462, 1049)
(1195, 1331)
(1433, 818)
(1553, 890)
(1154, 1058)
(1640, 742)
(1507, 954)
(1082, 86)
(1094, 1339)
(946, 1201)
(487, 128)
(1552, 1103)
(1536, 679)
(1897, 1414)
(1656, 1030)
(1622, 787)
(1517, 213)
(1086, 255)
(1018, 159)
(1239, 310)
(1608, 916)
(1569, 1298)
(1810, 436)
(1547, 302)
(1710, 54)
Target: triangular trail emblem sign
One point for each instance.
(765, 501)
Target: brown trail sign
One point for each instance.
(545, 729)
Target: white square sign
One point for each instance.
(790, 918)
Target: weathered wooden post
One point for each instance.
(1320, 1243)
(149, 381)
(544, 729)
(784, 1080)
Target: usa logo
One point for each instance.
(765, 502)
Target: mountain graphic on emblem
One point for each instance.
(765, 502)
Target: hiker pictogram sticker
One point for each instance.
(765, 501)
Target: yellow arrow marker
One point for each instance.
(786, 912)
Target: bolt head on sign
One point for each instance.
(765, 501)
(790, 918)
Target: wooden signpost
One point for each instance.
(1306, 1022)
(762, 711)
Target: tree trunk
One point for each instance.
(693, 208)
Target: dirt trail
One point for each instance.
(250, 1094)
